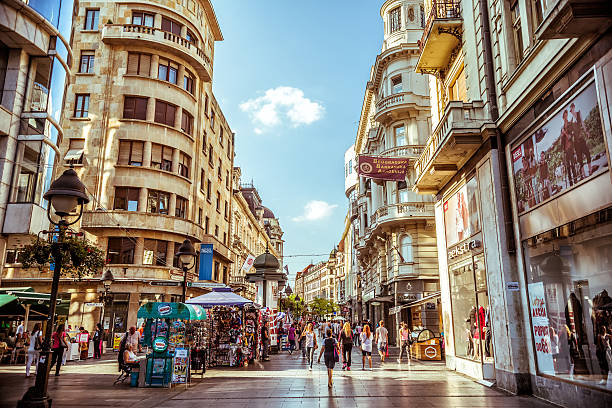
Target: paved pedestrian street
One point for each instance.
(284, 381)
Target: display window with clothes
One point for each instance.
(569, 276)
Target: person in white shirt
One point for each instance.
(129, 357)
(366, 346)
(33, 349)
(133, 338)
(20, 330)
(382, 339)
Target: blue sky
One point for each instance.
(290, 77)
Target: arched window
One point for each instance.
(406, 247)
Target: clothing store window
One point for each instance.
(568, 276)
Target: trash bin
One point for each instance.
(134, 379)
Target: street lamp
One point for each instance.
(65, 194)
(107, 280)
(187, 259)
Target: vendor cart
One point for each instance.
(425, 346)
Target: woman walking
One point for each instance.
(33, 349)
(58, 344)
(311, 343)
(404, 337)
(346, 341)
(97, 339)
(366, 346)
(330, 349)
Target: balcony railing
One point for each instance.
(439, 10)
(395, 103)
(392, 212)
(403, 151)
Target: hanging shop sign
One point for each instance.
(464, 248)
(382, 168)
(160, 344)
(540, 326)
(206, 262)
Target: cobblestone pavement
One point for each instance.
(282, 382)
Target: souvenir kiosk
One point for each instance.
(172, 330)
(233, 325)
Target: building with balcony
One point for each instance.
(249, 235)
(393, 259)
(517, 158)
(142, 128)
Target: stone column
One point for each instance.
(146, 159)
(170, 253)
(181, 74)
(177, 117)
(172, 204)
(138, 251)
(155, 61)
(142, 199)
(133, 306)
(150, 110)
(175, 160)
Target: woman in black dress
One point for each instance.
(332, 352)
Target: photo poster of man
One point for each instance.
(567, 149)
(461, 214)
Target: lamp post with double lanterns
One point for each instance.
(105, 297)
(187, 259)
(66, 193)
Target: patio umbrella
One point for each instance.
(220, 297)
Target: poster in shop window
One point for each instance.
(461, 214)
(566, 149)
(540, 327)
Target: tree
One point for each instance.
(323, 307)
(291, 304)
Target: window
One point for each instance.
(204, 143)
(396, 84)
(135, 107)
(165, 113)
(229, 149)
(126, 198)
(202, 180)
(210, 155)
(167, 71)
(184, 164)
(217, 231)
(395, 20)
(458, 90)
(406, 248)
(199, 216)
(130, 152)
(402, 188)
(221, 137)
(516, 31)
(189, 36)
(224, 243)
(226, 213)
(81, 106)
(139, 64)
(216, 277)
(399, 133)
(218, 206)
(188, 81)
(155, 252)
(206, 224)
(142, 19)
(422, 16)
(227, 179)
(350, 166)
(91, 19)
(87, 62)
(538, 9)
(206, 105)
(219, 170)
(120, 250)
(209, 190)
(158, 202)
(181, 207)
(75, 152)
(28, 174)
(161, 157)
(212, 119)
(187, 122)
(171, 26)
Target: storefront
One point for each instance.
(562, 198)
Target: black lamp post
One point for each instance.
(107, 280)
(187, 259)
(65, 194)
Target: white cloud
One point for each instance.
(315, 210)
(279, 105)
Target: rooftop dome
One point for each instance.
(266, 261)
(268, 213)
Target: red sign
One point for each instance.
(383, 168)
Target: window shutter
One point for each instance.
(170, 114)
(160, 111)
(128, 107)
(167, 153)
(124, 152)
(145, 65)
(132, 68)
(77, 144)
(140, 110)
(166, 24)
(156, 153)
(137, 148)
(176, 28)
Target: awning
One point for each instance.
(5, 299)
(171, 310)
(419, 302)
(220, 297)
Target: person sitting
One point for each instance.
(129, 357)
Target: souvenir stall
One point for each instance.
(233, 327)
(175, 332)
(425, 345)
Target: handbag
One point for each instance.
(336, 356)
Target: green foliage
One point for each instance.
(297, 308)
(323, 307)
(80, 258)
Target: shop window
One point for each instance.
(28, 173)
(184, 165)
(87, 62)
(181, 207)
(171, 26)
(395, 20)
(406, 248)
(165, 113)
(167, 71)
(91, 19)
(161, 157)
(396, 84)
(74, 155)
(130, 152)
(461, 215)
(517, 36)
(187, 122)
(399, 134)
(81, 106)
(126, 198)
(569, 284)
(120, 250)
(158, 202)
(135, 107)
(155, 252)
(139, 64)
(188, 81)
(142, 19)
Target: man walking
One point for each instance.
(382, 339)
(265, 341)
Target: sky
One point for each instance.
(290, 77)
